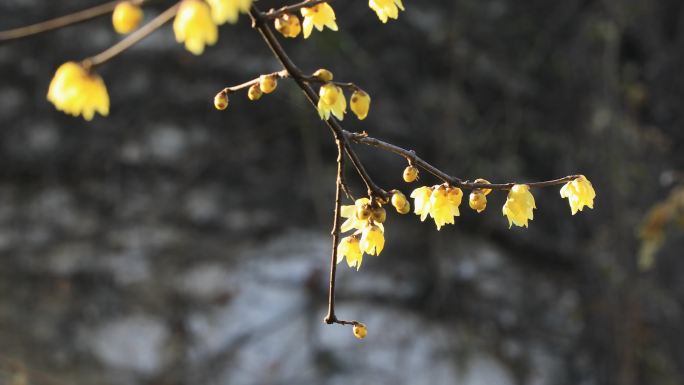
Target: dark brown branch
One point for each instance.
(260, 23)
(411, 157)
(133, 38)
(273, 13)
(62, 21)
(337, 224)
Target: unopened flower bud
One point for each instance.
(485, 191)
(360, 330)
(268, 83)
(126, 17)
(379, 214)
(410, 174)
(221, 100)
(400, 202)
(323, 74)
(254, 92)
(363, 212)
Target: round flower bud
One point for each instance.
(363, 212)
(221, 100)
(410, 174)
(323, 74)
(360, 104)
(126, 17)
(399, 201)
(288, 25)
(268, 83)
(477, 201)
(379, 214)
(405, 210)
(360, 330)
(485, 191)
(254, 92)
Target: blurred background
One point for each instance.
(171, 243)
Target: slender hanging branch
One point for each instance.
(133, 38)
(62, 21)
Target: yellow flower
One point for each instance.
(349, 248)
(331, 100)
(421, 201)
(75, 91)
(360, 104)
(386, 8)
(580, 193)
(126, 17)
(323, 74)
(360, 331)
(319, 16)
(288, 25)
(194, 26)
(228, 10)
(372, 240)
(519, 205)
(477, 201)
(444, 204)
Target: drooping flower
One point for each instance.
(288, 25)
(76, 91)
(331, 100)
(360, 104)
(519, 205)
(319, 16)
(228, 10)
(444, 203)
(372, 240)
(126, 17)
(421, 201)
(350, 249)
(194, 26)
(477, 201)
(386, 8)
(580, 193)
(357, 215)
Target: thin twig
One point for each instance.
(133, 38)
(337, 224)
(274, 14)
(260, 23)
(62, 21)
(349, 85)
(279, 74)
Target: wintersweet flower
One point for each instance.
(126, 17)
(349, 247)
(410, 174)
(194, 26)
(519, 205)
(421, 201)
(76, 91)
(331, 101)
(319, 16)
(386, 8)
(444, 204)
(400, 203)
(360, 331)
(372, 240)
(580, 193)
(358, 215)
(228, 10)
(288, 25)
(360, 104)
(477, 201)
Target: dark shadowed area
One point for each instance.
(170, 243)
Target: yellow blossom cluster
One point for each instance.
(77, 91)
(366, 217)
(332, 101)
